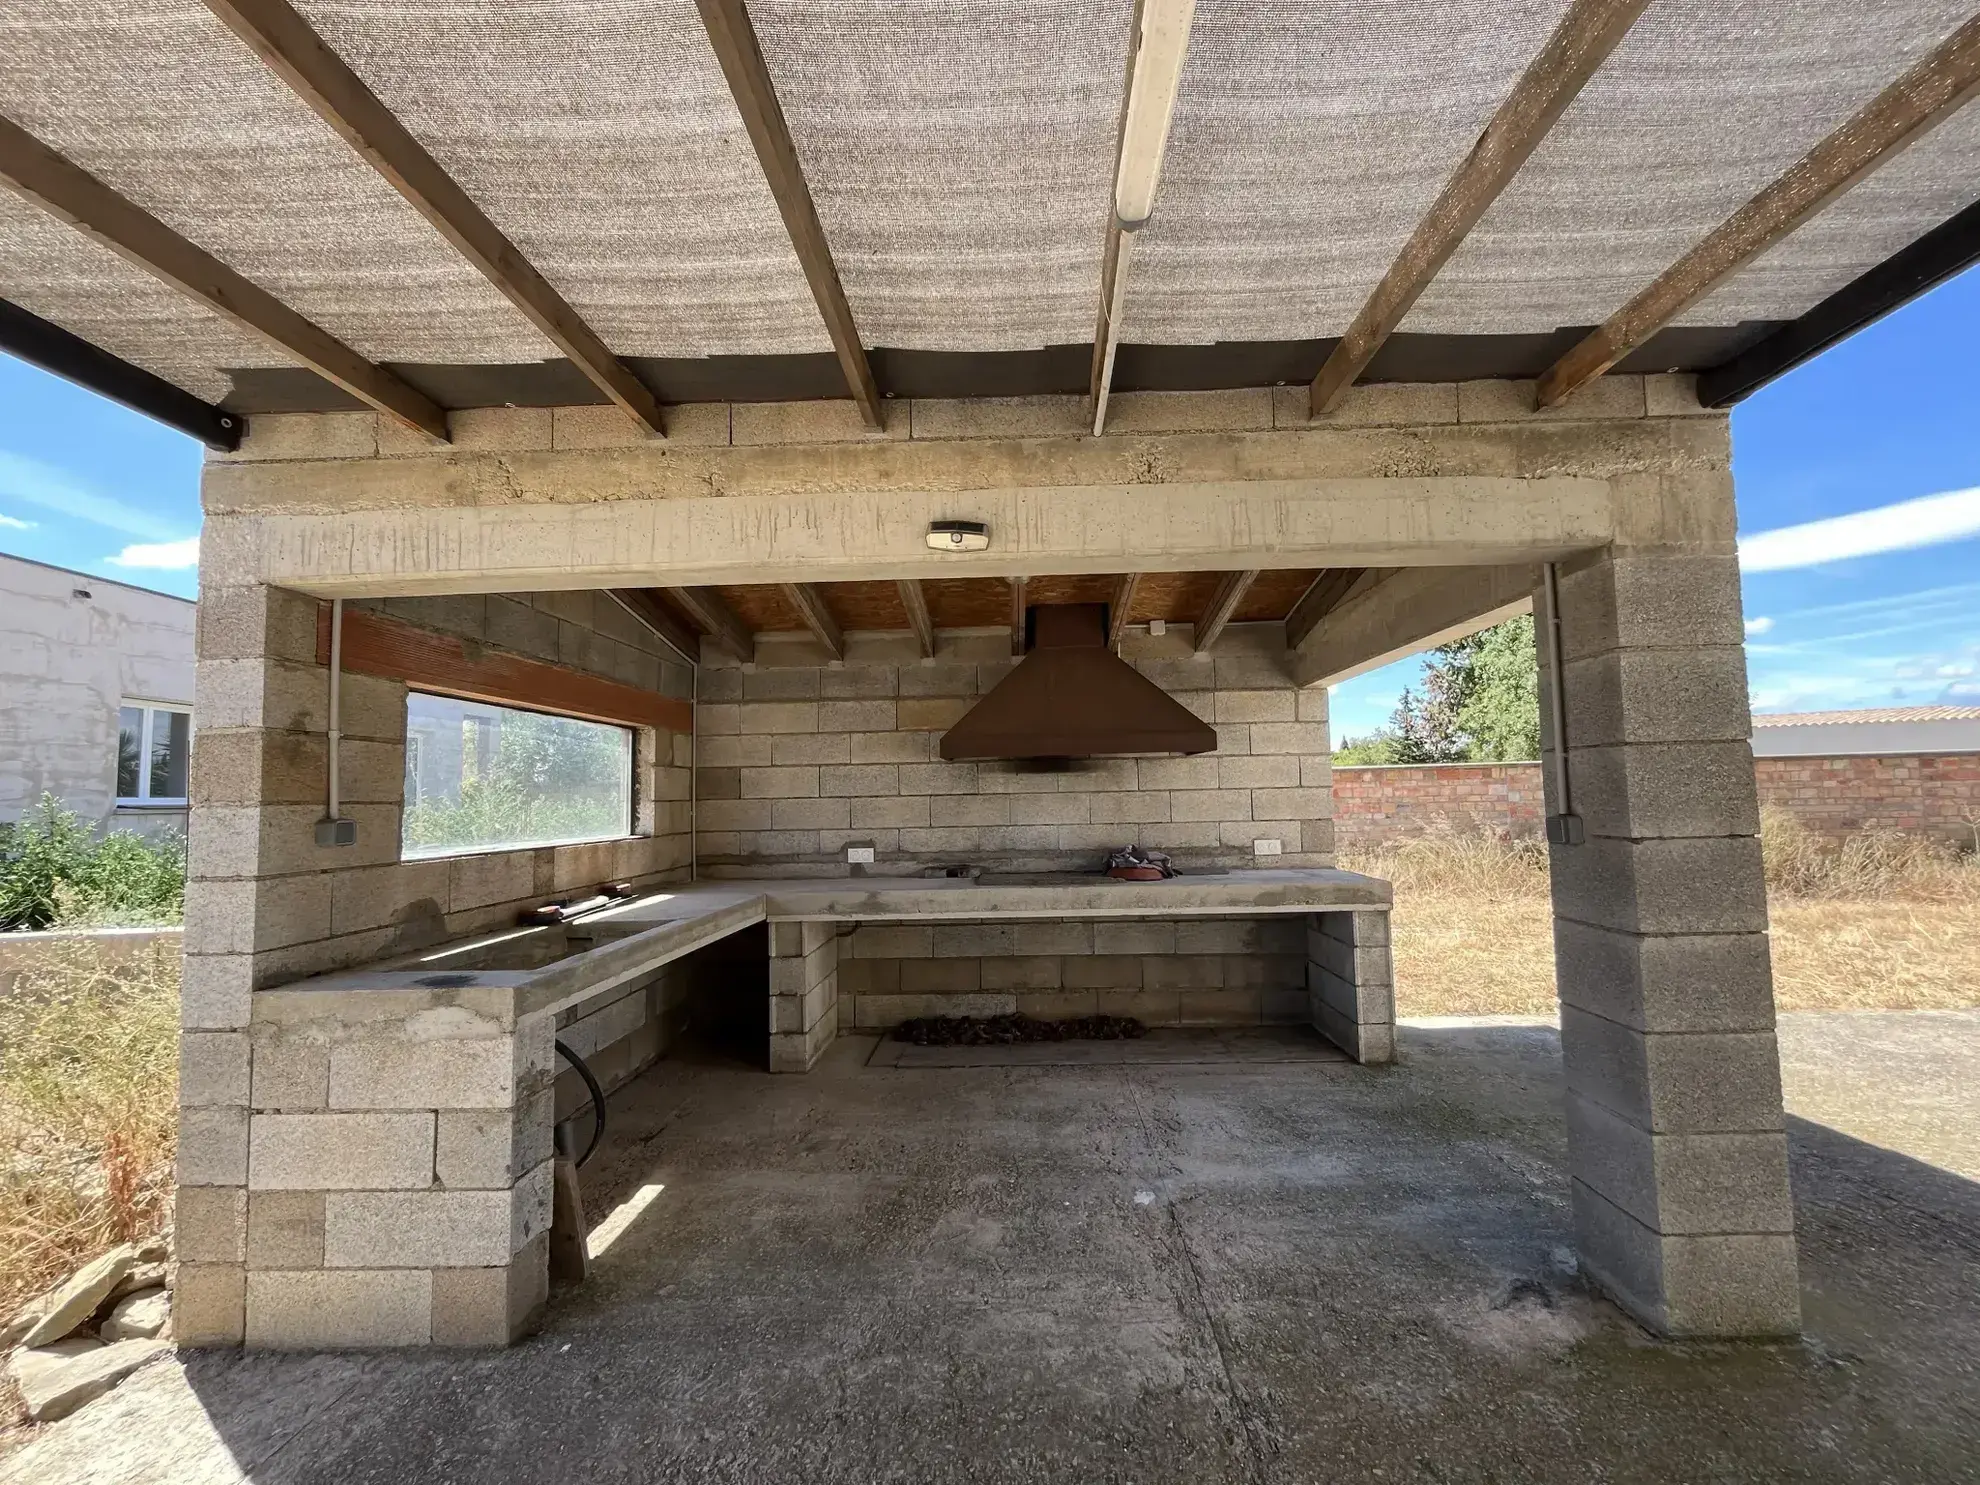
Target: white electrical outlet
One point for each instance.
(1158, 627)
(1267, 848)
(859, 855)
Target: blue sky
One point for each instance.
(1880, 610)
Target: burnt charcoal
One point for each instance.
(988, 1031)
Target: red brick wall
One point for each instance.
(1832, 796)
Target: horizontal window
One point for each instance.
(494, 778)
(154, 749)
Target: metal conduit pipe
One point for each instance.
(1564, 825)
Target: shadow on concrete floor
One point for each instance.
(1224, 1271)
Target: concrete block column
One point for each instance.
(1350, 984)
(804, 993)
(1675, 1135)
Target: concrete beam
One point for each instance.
(1407, 612)
(865, 534)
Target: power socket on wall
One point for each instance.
(859, 855)
(1268, 848)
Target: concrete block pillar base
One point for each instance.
(1349, 983)
(804, 993)
(1676, 1144)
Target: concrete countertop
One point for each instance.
(645, 933)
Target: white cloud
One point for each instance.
(15, 523)
(1928, 521)
(168, 556)
(32, 482)
(1758, 625)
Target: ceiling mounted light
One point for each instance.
(1158, 62)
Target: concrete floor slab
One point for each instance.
(1226, 1270)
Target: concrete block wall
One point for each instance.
(1350, 983)
(266, 906)
(800, 758)
(1675, 1130)
(1167, 972)
(804, 993)
(365, 1168)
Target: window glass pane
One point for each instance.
(130, 744)
(482, 778)
(171, 733)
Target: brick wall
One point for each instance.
(1831, 796)
(800, 758)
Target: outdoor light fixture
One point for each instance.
(1158, 62)
(1159, 49)
(958, 536)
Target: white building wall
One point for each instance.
(73, 649)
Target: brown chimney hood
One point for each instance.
(1072, 697)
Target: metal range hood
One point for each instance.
(1072, 697)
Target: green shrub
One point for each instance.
(54, 874)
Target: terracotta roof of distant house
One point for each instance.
(1872, 714)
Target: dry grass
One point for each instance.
(1883, 921)
(88, 1113)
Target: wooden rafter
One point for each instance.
(810, 604)
(648, 609)
(1017, 616)
(1925, 96)
(1321, 598)
(1113, 250)
(916, 603)
(1223, 603)
(1119, 609)
(707, 608)
(733, 36)
(296, 54)
(1586, 36)
(68, 192)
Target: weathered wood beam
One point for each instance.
(55, 350)
(733, 36)
(648, 609)
(916, 603)
(72, 194)
(810, 604)
(1017, 616)
(707, 608)
(294, 52)
(1223, 603)
(1925, 96)
(1106, 330)
(1948, 249)
(1583, 40)
(1118, 610)
(1322, 595)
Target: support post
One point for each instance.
(1350, 984)
(804, 993)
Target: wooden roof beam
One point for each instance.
(1119, 608)
(708, 609)
(283, 39)
(1323, 595)
(648, 609)
(733, 36)
(916, 603)
(73, 195)
(1230, 593)
(1904, 112)
(810, 604)
(1583, 40)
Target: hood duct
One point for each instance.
(1072, 697)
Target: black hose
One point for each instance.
(597, 1099)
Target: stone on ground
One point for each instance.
(57, 1379)
(143, 1275)
(138, 1317)
(71, 1303)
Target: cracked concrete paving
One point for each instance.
(1232, 1270)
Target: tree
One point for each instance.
(1480, 703)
